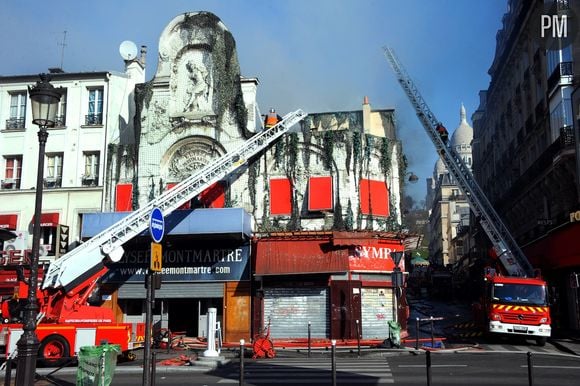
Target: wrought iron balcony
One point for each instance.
(93, 119)
(60, 121)
(10, 184)
(562, 69)
(14, 123)
(567, 136)
(52, 182)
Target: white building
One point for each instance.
(95, 108)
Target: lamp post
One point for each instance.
(412, 177)
(44, 102)
(397, 278)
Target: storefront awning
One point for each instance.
(8, 221)
(218, 222)
(47, 219)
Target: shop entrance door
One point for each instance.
(189, 316)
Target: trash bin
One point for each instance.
(97, 364)
(394, 333)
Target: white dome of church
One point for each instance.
(439, 169)
(463, 135)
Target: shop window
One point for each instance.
(320, 193)
(124, 198)
(280, 196)
(374, 197)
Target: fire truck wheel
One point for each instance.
(541, 341)
(54, 351)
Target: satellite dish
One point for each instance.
(128, 50)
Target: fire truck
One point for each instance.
(514, 299)
(69, 316)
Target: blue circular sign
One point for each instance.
(156, 225)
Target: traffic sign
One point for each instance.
(156, 225)
(156, 257)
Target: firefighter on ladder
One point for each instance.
(271, 119)
(442, 132)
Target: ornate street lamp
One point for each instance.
(412, 177)
(44, 101)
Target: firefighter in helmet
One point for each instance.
(442, 132)
(271, 119)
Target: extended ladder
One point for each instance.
(506, 248)
(72, 267)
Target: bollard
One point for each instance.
(428, 358)
(309, 336)
(530, 369)
(417, 341)
(358, 337)
(153, 361)
(432, 333)
(242, 342)
(333, 355)
(8, 376)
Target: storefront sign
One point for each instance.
(373, 258)
(211, 264)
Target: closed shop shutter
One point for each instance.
(376, 309)
(173, 291)
(290, 309)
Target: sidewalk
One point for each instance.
(566, 341)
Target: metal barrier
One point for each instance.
(430, 321)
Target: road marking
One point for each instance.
(423, 366)
(553, 367)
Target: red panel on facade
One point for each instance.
(296, 256)
(124, 198)
(374, 197)
(214, 196)
(320, 193)
(8, 221)
(187, 205)
(280, 196)
(559, 250)
(47, 219)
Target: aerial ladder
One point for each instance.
(88, 258)
(505, 247)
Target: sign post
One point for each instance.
(156, 229)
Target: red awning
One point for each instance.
(48, 220)
(8, 221)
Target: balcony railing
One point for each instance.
(567, 136)
(90, 180)
(562, 69)
(10, 184)
(93, 119)
(14, 123)
(60, 121)
(52, 182)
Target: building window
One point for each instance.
(95, 115)
(91, 172)
(212, 197)
(12, 172)
(374, 197)
(17, 111)
(561, 116)
(280, 196)
(61, 113)
(53, 174)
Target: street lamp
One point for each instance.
(412, 177)
(44, 102)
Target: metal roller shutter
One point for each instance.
(290, 310)
(173, 291)
(376, 309)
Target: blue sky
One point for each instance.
(317, 55)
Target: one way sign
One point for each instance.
(62, 236)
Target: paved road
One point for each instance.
(466, 368)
